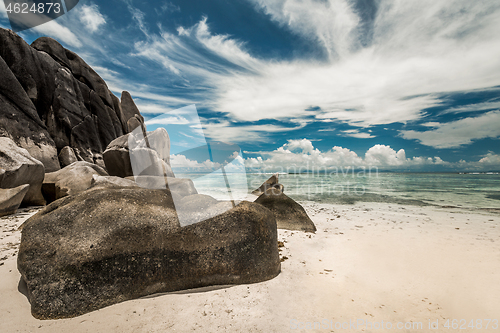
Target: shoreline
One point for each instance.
(368, 261)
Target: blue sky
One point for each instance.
(402, 85)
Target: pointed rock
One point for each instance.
(289, 214)
(272, 182)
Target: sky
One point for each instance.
(403, 85)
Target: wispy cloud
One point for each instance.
(460, 132)
(475, 107)
(91, 17)
(387, 67)
(59, 32)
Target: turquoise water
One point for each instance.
(443, 189)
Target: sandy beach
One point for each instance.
(368, 266)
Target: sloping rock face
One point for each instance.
(105, 246)
(289, 214)
(50, 98)
(11, 199)
(73, 179)
(20, 168)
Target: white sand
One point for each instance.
(375, 262)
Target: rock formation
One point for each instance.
(11, 199)
(272, 182)
(105, 239)
(289, 214)
(20, 168)
(140, 155)
(107, 245)
(73, 179)
(67, 156)
(50, 98)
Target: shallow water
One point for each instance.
(443, 189)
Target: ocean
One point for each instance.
(465, 190)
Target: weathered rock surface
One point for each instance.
(20, 168)
(105, 246)
(10, 199)
(19, 119)
(51, 98)
(180, 186)
(112, 181)
(289, 214)
(272, 182)
(129, 108)
(196, 202)
(67, 156)
(133, 154)
(73, 179)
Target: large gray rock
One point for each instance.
(50, 98)
(105, 246)
(133, 154)
(159, 141)
(73, 179)
(67, 156)
(289, 214)
(20, 168)
(272, 182)
(79, 68)
(10, 199)
(19, 120)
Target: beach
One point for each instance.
(369, 266)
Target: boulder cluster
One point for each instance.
(117, 224)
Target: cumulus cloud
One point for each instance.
(490, 159)
(91, 17)
(181, 164)
(301, 155)
(460, 132)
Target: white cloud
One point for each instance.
(490, 159)
(460, 132)
(354, 133)
(58, 32)
(418, 50)
(301, 155)
(332, 23)
(385, 156)
(475, 107)
(226, 131)
(91, 17)
(138, 16)
(181, 164)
